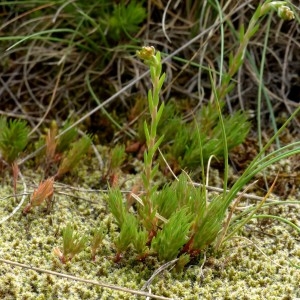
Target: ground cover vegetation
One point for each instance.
(218, 90)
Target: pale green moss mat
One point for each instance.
(240, 271)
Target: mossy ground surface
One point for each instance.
(257, 264)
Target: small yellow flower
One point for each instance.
(146, 53)
(285, 13)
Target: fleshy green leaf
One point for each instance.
(13, 138)
(169, 241)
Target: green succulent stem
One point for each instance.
(153, 60)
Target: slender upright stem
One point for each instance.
(157, 78)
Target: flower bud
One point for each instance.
(146, 53)
(285, 13)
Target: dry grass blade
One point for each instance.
(159, 270)
(139, 200)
